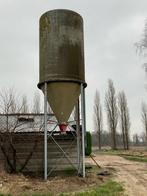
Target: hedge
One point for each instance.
(88, 148)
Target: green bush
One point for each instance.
(88, 148)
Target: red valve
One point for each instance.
(62, 127)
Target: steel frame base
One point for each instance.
(80, 141)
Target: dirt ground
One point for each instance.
(132, 175)
(20, 184)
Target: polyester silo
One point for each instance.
(61, 60)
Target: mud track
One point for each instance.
(132, 175)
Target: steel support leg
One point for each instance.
(45, 131)
(78, 137)
(83, 117)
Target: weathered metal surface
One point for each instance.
(61, 60)
(62, 97)
(61, 47)
(24, 144)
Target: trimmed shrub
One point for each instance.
(88, 148)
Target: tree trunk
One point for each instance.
(99, 139)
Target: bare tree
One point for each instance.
(36, 103)
(112, 111)
(73, 114)
(25, 107)
(142, 44)
(143, 138)
(49, 109)
(98, 119)
(8, 101)
(144, 119)
(10, 104)
(136, 140)
(124, 118)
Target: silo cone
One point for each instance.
(61, 60)
(62, 97)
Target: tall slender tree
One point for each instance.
(142, 44)
(25, 107)
(136, 140)
(124, 118)
(98, 118)
(36, 103)
(112, 112)
(144, 119)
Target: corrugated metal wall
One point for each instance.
(27, 143)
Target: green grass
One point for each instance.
(121, 153)
(38, 194)
(110, 188)
(135, 158)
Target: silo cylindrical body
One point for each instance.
(61, 60)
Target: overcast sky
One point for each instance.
(111, 27)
